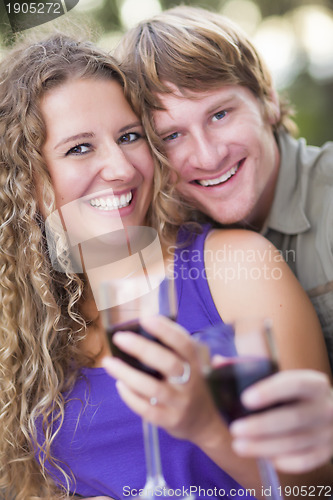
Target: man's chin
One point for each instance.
(228, 218)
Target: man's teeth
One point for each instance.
(112, 202)
(222, 178)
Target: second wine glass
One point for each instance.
(234, 357)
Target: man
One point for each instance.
(212, 114)
(209, 105)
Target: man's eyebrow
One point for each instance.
(220, 102)
(167, 128)
(77, 137)
(166, 131)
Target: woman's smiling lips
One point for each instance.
(114, 202)
(106, 203)
(221, 179)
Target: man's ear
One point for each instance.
(273, 107)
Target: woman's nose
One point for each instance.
(115, 166)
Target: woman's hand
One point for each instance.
(184, 409)
(298, 435)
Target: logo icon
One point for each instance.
(25, 14)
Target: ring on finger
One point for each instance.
(153, 401)
(184, 377)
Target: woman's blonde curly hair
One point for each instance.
(40, 320)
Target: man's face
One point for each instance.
(223, 149)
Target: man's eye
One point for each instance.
(78, 150)
(219, 115)
(129, 137)
(171, 137)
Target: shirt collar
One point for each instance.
(287, 213)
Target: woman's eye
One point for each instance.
(219, 115)
(129, 137)
(171, 137)
(78, 150)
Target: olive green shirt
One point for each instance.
(300, 223)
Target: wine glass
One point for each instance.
(235, 356)
(132, 298)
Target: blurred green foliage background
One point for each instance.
(295, 37)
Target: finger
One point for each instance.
(306, 461)
(274, 446)
(139, 382)
(219, 360)
(285, 419)
(139, 404)
(158, 414)
(171, 334)
(286, 386)
(150, 353)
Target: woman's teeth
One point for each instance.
(112, 202)
(223, 178)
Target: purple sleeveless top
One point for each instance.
(101, 438)
(196, 307)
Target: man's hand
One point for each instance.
(297, 435)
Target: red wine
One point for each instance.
(229, 380)
(134, 327)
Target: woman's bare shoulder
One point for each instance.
(238, 238)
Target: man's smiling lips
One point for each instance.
(221, 179)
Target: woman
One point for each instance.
(67, 134)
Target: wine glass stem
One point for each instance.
(155, 477)
(270, 480)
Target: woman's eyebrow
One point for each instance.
(83, 135)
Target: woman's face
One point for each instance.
(97, 156)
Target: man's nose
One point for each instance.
(207, 153)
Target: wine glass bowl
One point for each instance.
(228, 381)
(252, 359)
(133, 327)
(131, 300)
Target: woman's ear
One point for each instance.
(273, 111)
